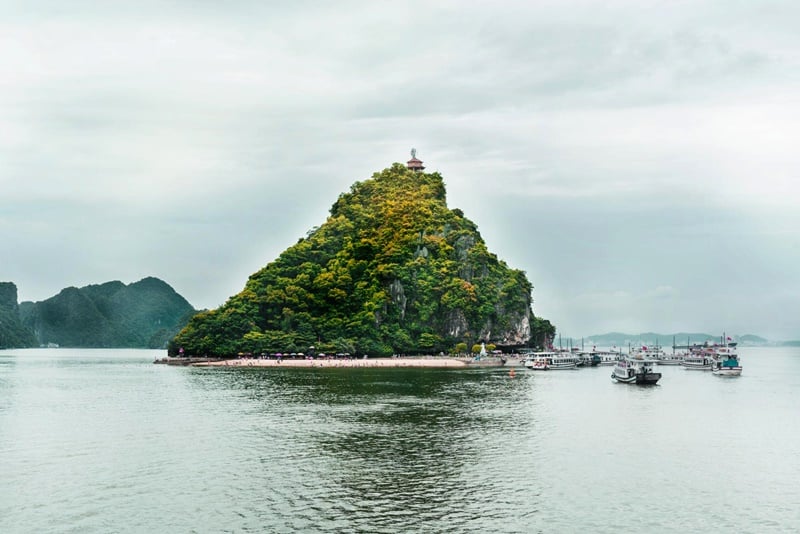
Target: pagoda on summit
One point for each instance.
(414, 164)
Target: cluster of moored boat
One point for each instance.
(637, 366)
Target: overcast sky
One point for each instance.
(639, 160)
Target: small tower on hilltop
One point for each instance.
(414, 164)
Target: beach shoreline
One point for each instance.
(421, 362)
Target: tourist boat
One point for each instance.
(635, 371)
(726, 361)
(671, 359)
(575, 352)
(724, 351)
(545, 361)
(648, 353)
(564, 360)
(589, 358)
(699, 361)
(610, 357)
(708, 344)
(537, 362)
(727, 366)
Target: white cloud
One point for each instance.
(618, 152)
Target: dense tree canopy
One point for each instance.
(392, 270)
(147, 313)
(12, 333)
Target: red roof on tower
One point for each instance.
(414, 164)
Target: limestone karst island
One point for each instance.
(391, 271)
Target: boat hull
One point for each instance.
(537, 367)
(698, 366)
(643, 379)
(728, 371)
(550, 367)
(623, 379)
(648, 378)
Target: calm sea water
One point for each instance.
(105, 441)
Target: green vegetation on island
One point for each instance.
(392, 270)
(144, 314)
(12, 333)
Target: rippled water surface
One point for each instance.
(105, 441)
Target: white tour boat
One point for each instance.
(671, 359)
(589, 358)
(726, 361)
(610, 357)
(648, 353)
(699, 360)
(545, 361)
(564, 360)
(635, 371)
(538, 361)
(729, 366)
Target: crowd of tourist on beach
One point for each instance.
(338, 361)
(343, 359)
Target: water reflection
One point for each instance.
(382, 447)
(8, 363)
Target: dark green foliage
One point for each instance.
(12, 333)
(392, 270)
(145, 314)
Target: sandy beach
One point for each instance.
(370, 362)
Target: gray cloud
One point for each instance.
(636, 159)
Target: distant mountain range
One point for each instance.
(144, 314)
(665, 340)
